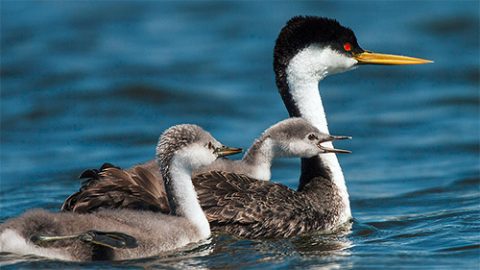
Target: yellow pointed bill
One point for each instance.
(388, 59)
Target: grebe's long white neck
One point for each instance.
(302, 76)
(183, 192)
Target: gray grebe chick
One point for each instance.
(293, 137)
(126, 234)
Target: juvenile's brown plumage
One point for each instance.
(140, 188)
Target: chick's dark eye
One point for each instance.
(312, 137)
(347, 46)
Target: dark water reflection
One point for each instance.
(83, 83)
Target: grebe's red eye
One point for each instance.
(347, 46)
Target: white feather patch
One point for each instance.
(12, 242)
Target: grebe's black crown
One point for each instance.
(302, 31)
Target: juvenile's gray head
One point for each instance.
(297, 137)
(184, 148)
(195, 146)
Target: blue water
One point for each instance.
(86, 83)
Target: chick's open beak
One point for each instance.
(227, 151)
(334, 150)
